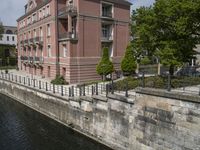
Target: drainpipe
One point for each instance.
(57, 42)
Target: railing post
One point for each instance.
(39, 84)
(61, 90)
(53, 88)
(143, 82)
(97, 88)
(72, 91)
(92, 90)
(12, 77)
(126, 93)
(84, 90)
(112, 86)
(29, 82)
(33, 82)
(80, 91)
(16, 78)
(19, 79)
(9, 76)
(169, 83)
(46, 86)
(24, 80)
(107, 90)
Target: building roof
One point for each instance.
(41, 3)
(10, 30)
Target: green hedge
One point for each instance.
(157, 82)
(59, 80)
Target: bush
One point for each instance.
(128, 63)
(157, 82)
(59, 80)
(145, 61)
(105, 66)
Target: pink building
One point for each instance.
(67, 36)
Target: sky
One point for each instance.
(11, 10)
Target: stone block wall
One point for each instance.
(150, 120)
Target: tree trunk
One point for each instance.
(171, 70)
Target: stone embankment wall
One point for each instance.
(152, 119)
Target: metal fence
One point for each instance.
(63, 90)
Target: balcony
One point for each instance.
(38, 40)
(26, 42)
(38, 60)
(31, 41)
(24, 58)
(106, 38)
(107, 15)
(68, 36)
(70, 9)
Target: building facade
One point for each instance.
(66, 37)
(9, 37)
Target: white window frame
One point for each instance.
(64, 50)
(48, 30)
(49, 50)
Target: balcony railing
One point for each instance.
(38, 60)
(107, 38)
(24, 58)
(26, 42)
(38, 40)
(107, 15)
(68, 36)
(70, 9)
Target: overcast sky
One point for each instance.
(11, 10)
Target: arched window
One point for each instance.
(9, 32)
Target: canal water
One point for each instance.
(21, 128)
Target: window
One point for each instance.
(29, 20)
(43, 12)
(7, 38)
(34, 33)
(48, 30)
(40, 14)
(49, 51)
(41, 32)
(107, 10)
(64, 51)
(106, 31)
(34, 18)
(13, 38)
(48, 10)
(9, 32)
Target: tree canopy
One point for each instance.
(170, 30)
(128, 63)
(105, 66)
(1, 30)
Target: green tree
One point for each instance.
(105, 66)
(1, 30)
(128, 63)
(169, 30)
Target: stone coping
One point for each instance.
(172, 94)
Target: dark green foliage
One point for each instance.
(157, 82)
(145, 61)
(12, 59)
(1, 30)
(105, 66)
(59, 80)
(128, 63)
